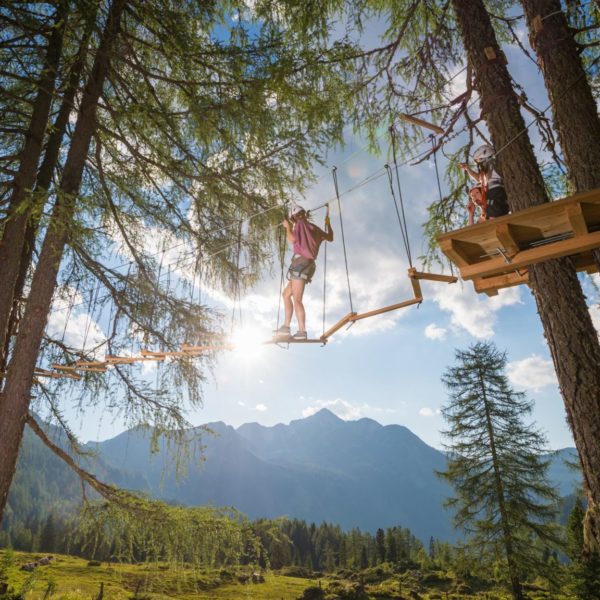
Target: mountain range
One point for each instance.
(320, 468)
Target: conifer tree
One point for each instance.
(391, 546)
(585, 566)
(213, 130)
(559, 58)
(380, 545)
(502, 496)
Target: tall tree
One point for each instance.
(19, 209)
(15, 398)
(585, 567)
(568, 327)
(193, 134)
(503, 498)
(380, 545)
(578, 131)
(43, 183)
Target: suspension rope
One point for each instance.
(236, 284)
(282, 242)
(368, 179)
(325, 272)
(441, 196)
(69, 309)
(401, 219)
(337, 194)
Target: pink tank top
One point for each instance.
(308, 239)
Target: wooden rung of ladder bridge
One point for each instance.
(55, 375)
(151, 355)
(126, 360)
(343, 321)
(162, 355)
(421, 123)
(191, 350)
(82, 368)
(385, 309)
(414, 274)
(90, 363)
(121, 360)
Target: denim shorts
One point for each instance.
(301, 270)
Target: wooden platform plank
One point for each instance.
(292, 341)
(343, 321)
(577, 219)
(55, 375)
(496, 266)
(491, 285)
(385, 309)
(90, 363)
(414, 274)
(79, 368)
(421, 123)
(461, 253)
(566, 227)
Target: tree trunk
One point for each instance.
(515, 584)
(18, 215)
(43, 183)
(575, 117)
(14, 400)
(568, 327)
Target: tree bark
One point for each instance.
(18, 214)
(43, 183)
(568, 327)
(576, 121)
(15, 398)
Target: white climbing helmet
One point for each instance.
(296, 209)
(483, 154)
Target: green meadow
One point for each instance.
(71, 578)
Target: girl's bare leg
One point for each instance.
(297, 292)
(287, 303)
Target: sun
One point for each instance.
(248, 343)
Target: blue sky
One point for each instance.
(387, 368)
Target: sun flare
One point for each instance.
(248, 343)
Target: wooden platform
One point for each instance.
(497, 253)
(283, 341)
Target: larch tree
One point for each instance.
(15, 397)
(19, 210)
(503, 499)
(183, 135)
(584, 568)
(571, 336)
(414, 76)
(578, 131)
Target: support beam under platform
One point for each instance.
(497, 253)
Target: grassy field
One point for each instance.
(71, 578)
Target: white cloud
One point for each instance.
(475, 313)
(532, 373)
(433, 332)
(260, 407)
(79, 329)
(428, 412)
(342, 408)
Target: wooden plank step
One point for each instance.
(385, 309)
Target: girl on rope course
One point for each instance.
(493, 196)
(306, 239)
(475, 201)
